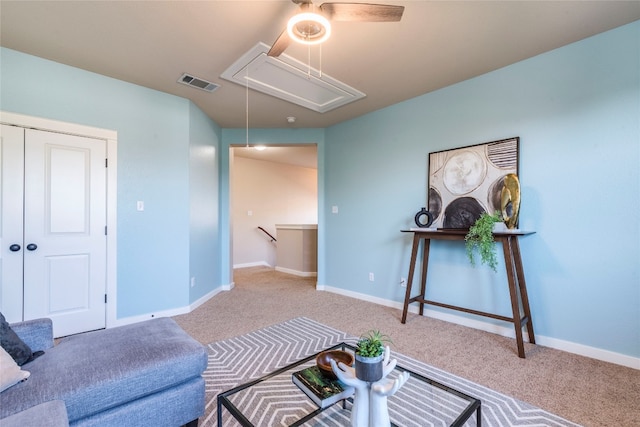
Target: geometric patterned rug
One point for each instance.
(238, 360)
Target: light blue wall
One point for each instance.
(204, 265)
(238, 137)
(155, 152)
(577, 112)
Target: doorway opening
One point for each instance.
(275, 186)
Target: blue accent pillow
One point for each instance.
(13, 345)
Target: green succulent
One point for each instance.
(480, 237)
(372, 344)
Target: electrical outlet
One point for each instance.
(371, 277)
(403, 282)
(193, 282)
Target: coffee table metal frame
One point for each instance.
(223, 398)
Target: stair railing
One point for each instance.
(273, 239)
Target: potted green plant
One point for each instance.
(370, 355)
(480, 238)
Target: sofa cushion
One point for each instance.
(36, 333)
(99, 370)
(10, 372)
(13, 345)
(49, 414)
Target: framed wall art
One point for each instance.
(467, 181)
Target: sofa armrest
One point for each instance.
(36, 333)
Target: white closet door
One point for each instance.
(64, 238)
(11, 215)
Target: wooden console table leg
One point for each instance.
(523, 289)
(425, 263)
(511, 278)
(412, 267)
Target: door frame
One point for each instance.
(232, 190)
(111, 139)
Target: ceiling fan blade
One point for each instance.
(280, 44)
(362, 12)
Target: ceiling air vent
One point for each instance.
(192, 81)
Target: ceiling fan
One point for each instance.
(309, 26)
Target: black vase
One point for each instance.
(419, 215)
(369, 369)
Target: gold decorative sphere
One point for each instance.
(510, 200)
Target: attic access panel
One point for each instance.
(291, 80)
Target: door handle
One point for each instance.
(32, 247)
(14, 248)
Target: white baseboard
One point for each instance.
(277, 268)
(206, 297)
(142, 317)
(568, 346)
(167, 313)
(296, 272)
(252, 264)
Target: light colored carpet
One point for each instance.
(277, 402)
(583, 390)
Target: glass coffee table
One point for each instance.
(274, 400)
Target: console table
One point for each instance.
(515, 278)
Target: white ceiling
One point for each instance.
(436, 44)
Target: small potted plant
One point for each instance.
(480, 237)
(370, 355)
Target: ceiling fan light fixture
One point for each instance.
(309, 28)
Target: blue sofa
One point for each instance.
(143, 374)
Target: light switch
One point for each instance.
(334, 209)
(140, 206)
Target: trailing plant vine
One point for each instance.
(480, 238)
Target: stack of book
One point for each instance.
(324, 391)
